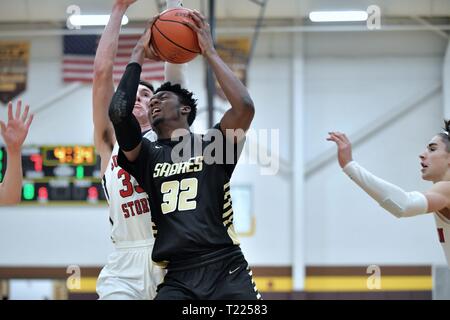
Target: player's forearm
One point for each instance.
(10, 189)
(236, 93)
(126, 126)
(109, 42)
(389, 196)
(138, 54)
(103, 85)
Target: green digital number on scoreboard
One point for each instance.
(59, 174)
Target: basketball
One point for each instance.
(173, 40)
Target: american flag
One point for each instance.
(79, 53)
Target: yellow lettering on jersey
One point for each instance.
(180, 168)
(165, 170)
(169, 169)
(189, 167)
(198, 163)
(156, 171)
(174, 168)
(185, 167)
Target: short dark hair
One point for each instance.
(147, 84)
(445, 136)
(185, 97)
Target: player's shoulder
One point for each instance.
(442, 187)
(442, 184)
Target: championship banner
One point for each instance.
(14, 57)
(234, 52)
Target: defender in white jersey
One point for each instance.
(129, 213)
(443, 229)
(129, 272)
(435, 162)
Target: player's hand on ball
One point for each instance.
(151, 54)
(344, 147)
(15, 131)
(146, 41)
(203, 30)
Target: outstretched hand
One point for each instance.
(344, 147)
(203, 30)
(16, 130)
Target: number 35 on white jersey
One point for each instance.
(129, 209)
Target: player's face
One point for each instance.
(435, 160)
(164, 106)
(142, 104)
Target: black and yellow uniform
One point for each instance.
(192, 214)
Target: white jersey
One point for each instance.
(129, 209)
(443, 229)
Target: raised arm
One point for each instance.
(242, 109)
(14, 134)
(126, 126)
(391, 197)
(103, 85)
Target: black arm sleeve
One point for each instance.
(142, 167)
(126, 126)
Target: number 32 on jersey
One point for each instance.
(179, 195)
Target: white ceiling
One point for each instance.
(26, 11)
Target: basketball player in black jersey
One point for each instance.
(189, 194)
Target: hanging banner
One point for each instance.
(14, 57)
(235, 52)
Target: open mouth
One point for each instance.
(155, 112)
(423, 166)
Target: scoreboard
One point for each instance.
(59, 174)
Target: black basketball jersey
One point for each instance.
(189, 193)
